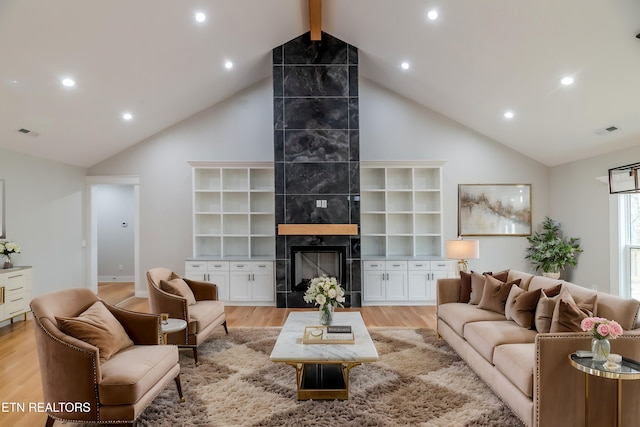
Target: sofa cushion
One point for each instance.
(98, 327)
(484, 337)
(205, 312)
(521, 306)
(569, 312)
(457, 315)
(178, 287)
(622, 310)
(516, 362)
(495, 293)
(128, 375)
(465, 286)
(477, 284)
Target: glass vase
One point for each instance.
(600, 349)
(7, 262)
(326, 315)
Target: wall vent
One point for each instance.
(607, 130)
(28, 132)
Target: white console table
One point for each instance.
(15, 292)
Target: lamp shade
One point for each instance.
(463, 249)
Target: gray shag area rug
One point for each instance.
(418, 380)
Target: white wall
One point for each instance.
(44, 204)
(115, 206)
(394, 128)
(581, 204)
(240, 129)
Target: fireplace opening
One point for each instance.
(308, 262)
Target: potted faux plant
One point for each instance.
(550, 252)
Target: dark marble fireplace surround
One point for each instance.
(316, 152)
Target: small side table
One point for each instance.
(172, 325)
(629, 370)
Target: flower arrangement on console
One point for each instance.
(602, 330)
(7, 248)
(327, 293)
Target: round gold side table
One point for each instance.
(628, 370)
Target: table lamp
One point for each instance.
(462, 250)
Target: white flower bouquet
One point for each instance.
(8, 248)
(324, 291)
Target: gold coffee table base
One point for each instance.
(322, 380)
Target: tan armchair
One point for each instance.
(112, 381)
(196, 303)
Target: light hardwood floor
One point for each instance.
(20, 372)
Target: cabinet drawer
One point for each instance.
(441, 265)
(196, 266)
(374, 265)
(262, 267)
(14, 284)
(396, 265)
(217, 265)
(15, 305)
(240, 266)
(419, 265)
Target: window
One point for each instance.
(631, 248)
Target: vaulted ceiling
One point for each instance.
(478, 60)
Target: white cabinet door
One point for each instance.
(419, 285)
(396, 280)
(240, 281)
(437, 274)
(262, 283)
(373, 287)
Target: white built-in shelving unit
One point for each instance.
(401, 209)
(233, 210)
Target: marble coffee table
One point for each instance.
(322, 370)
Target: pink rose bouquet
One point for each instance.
(601, 328)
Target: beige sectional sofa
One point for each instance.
(530, 371)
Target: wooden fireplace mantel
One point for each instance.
(318, 229)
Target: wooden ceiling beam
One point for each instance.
(315, 19)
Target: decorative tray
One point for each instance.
(319, 335)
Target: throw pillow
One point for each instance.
(98, 327)
(465, 286)
(495, 293)
(521, 306)
(544, 309)
(178, 287)
(477, 284)
(568, 313)
(553, 291)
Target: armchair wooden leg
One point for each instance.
(179, 386)
(50, 421)
(226, 331)
(195, 354)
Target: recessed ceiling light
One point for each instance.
(567, 81)
(201, 17)
(508, 114)
(68, 82)
(127, 116)
(228, 65)
(432, 15)
(405, 65)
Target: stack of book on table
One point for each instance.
(334, 334)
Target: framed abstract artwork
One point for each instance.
(494, 209)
